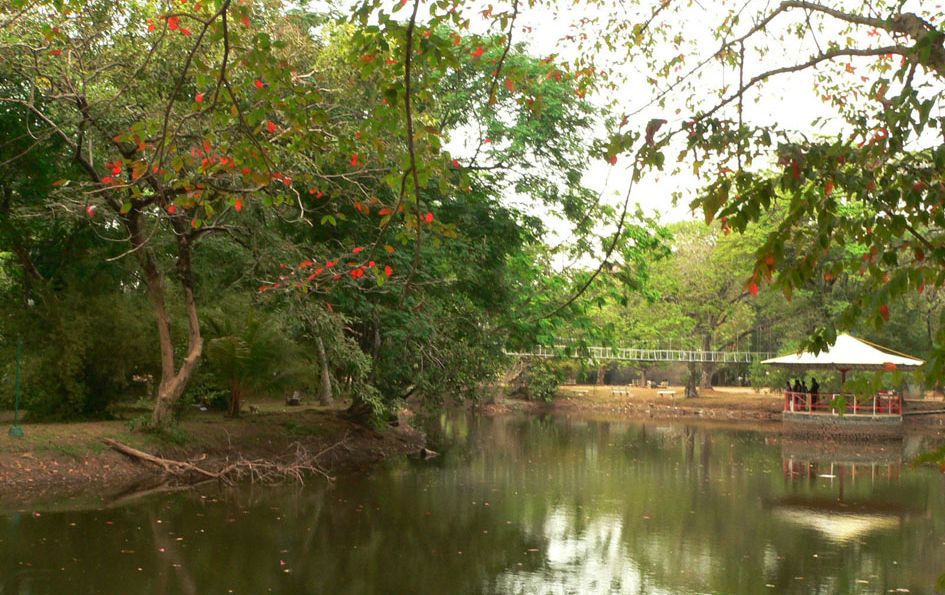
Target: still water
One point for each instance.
(522, 505)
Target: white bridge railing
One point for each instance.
(634, 354)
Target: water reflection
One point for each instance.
(521, 505)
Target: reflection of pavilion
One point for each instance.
(837, 461)
(838, 501)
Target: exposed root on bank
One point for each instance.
(302, 462)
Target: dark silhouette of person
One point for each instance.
(814, 390)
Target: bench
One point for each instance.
(622, 392)
(666, 393)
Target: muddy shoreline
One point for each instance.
(61, 466)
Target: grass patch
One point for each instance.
(297, 429)
(72, 451)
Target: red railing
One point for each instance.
(880, 404)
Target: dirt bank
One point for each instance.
(723, 404)
(60, 462)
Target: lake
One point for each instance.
(518, 504)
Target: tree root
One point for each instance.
(302, 462)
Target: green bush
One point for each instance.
(82, 353)
(538, 380)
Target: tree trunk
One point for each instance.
(324, 390)
(236, 398)
(707, 368)
(691, 389)
(173, 381)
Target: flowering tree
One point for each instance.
(176, 118)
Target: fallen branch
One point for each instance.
(301, 462)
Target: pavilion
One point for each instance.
(846, 354)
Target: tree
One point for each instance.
(170, 145)
(252, 355)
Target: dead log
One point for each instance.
(170, 466)
(300, 463)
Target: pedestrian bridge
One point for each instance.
(635, 354)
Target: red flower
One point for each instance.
(428, 218)
(305, 264)
(884, 312)
(370, 264)
(185, 30)
(151, 26)
(388, 271)
(245, 171)
(477, 52)
(330, 264)
(198, 97)
(455, 164)
(171, 209)
(108, 180)
(753, 288)
(828, 188)
(612, 160)
(173, 23)
(245, 20)
(55, 52)
(357, 250)
(271, 126)
(312, 276)
(259, 84)
(238, 205)
(90, 211)
(385, 211)
(354, 160)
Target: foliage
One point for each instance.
(86, 345)
(250, 356)
(537, 380)
(384, 187)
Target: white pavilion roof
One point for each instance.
(847, 353)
